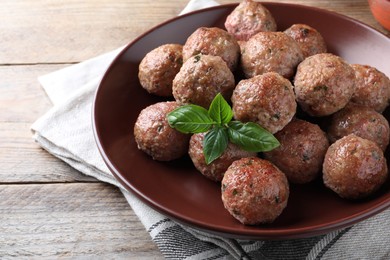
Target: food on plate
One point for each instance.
(242, 47)
(354, 167)
(216, 169)
(301, 152)
(361, 121)
(324, 83)
(225, 139)
(213, 41)
(270, 52)
(220, 129)
(159, 67)
(254, 191)
(249, 18)
(372, 87)
(155, 137)
(309, 39)
(201, 78)
(266, 99)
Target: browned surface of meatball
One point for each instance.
(301, 152)
(354, 167)
(201, 78)
(267, 99)
(361, 121)
(249, 18)
(254, 191)
(372, 87)
(159, 67)
(324, 83)
(213, 41)
(270, 52)
(215, 170)
(309, 39)
(155, 137)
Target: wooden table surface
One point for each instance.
(47, 208)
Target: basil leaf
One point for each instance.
(190, 119)
(251, 137)
(220, 111)
(215, 143)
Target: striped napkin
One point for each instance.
(66, 132)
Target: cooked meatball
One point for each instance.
(267, 99)
(361, 121)
(242, 45)
(159, 67)
(254, 191)
(324, 83)
(213, 41)
(372, 87)
(155, 137)
(215, 170)
(301, 152)
(201, 78)
(270, 51)
(309, 39)
(249, 18)
(354, 167)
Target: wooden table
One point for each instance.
(48, 209)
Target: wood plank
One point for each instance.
(22, 99)
(79, 30)
(68, 221)
(24, 161)
(45, 31)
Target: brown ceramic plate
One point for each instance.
(176, 189)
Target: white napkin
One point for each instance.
(66, 132)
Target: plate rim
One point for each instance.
(200, 225)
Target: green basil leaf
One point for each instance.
(251, 137)
(190, 119)
(214, 143)
(220, 111)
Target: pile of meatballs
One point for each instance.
(284, 81)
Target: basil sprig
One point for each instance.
(217, 122)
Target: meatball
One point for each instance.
(201, 78)
(254, 191)
(301, 152)
(270, 51)
(324, 83)
(372, 87)
(266, 99)
(155, 137)
(309, 39)
(159, 67)
(215, 170)
(213, 41)
(249, 18)
(361, 121)
(354, 167)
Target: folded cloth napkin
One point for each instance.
(66, 132)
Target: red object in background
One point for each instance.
(381, 11)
